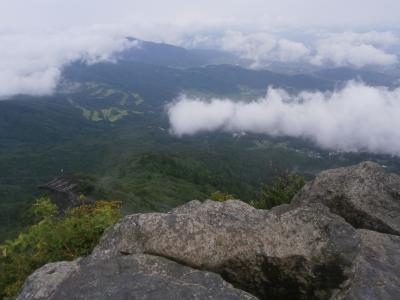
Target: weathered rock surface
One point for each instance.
(126, 277)
(377, 267)
(309, 249)
(297, 252)
(364, 195)
(45, 281)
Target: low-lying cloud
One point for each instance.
(349, 48)
(354, 118)
(32, 58)
(31, 62)
(261, 48)
(356, 49)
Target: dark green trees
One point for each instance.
(281, 191)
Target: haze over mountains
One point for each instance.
(110, 120)
(138, 108)
(154, 108)
(296, 103)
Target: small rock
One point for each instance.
(43, 283)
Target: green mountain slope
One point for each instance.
(108, 121)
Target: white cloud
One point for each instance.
(31, 62)
(355, 118)
(259, 48)
(353, 49)
(356, 49)
(289, 51)
(385, 38)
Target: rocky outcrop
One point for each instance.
(274, 254)
(364, 195)
(310, 249)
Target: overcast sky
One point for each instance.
(350, 14)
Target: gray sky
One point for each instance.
(303, 13)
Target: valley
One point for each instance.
(107, 122)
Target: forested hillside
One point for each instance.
(108, 122)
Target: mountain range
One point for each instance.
(107, 124)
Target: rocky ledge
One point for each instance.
(338, 239)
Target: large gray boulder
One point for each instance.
(126, 277)
(299, 252)
(364, 195)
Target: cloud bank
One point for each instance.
(261, 48)
(32, 62)
(356, 49)
(349, 48)
(355, 118)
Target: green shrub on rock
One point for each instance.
(53, 239)
(221, 197)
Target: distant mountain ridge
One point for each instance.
(163, 54)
